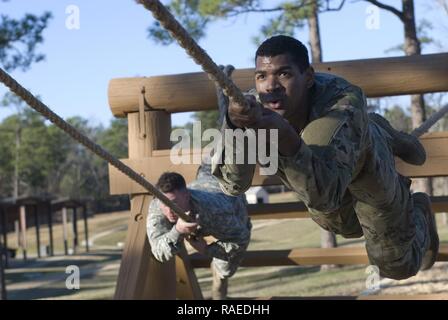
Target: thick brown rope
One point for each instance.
(40, 107)
(194, 50)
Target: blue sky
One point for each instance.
(112, 42)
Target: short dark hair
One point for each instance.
(170, 181)
(284, 44)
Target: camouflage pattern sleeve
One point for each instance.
(227, 251)
(234, 179)
(321, 171)
(163, 237)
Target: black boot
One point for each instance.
(423, 202)
(405, 146)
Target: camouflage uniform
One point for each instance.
(345, 174)
(221, 216)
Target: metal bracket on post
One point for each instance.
(141, 113)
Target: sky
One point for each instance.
(112, 42)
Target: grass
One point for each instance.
(45, 278)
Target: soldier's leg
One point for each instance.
(396, 231)
(223, 270)
(318, 135)
(342, 221)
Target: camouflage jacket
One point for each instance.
(221, 216)
(320, 175)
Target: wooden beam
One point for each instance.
(141, 276)
(303, 256)
(195, 92)
(436, 145)
(187, 287)
(292, 210)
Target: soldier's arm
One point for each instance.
(234, 179)
(225, 250)
(323, 167)
(165, 240)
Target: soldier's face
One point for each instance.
(281, 85)
(181, 198)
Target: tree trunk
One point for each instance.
(412, 47)
(16, 178)
(327, 239)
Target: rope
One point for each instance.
(430, 121)
(167, 20)
(40, 107)
(198, 54)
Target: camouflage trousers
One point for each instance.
(207, 182)
(379, 205)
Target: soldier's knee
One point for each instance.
(398, 270)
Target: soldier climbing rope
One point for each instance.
(201, 57)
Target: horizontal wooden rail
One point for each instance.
(195, 92)
(436, 145)
(303, 256)
(292, 210)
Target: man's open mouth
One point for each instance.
(275, 104)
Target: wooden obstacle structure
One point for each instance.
(15, 214)
(148, 104)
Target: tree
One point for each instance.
(19, 40)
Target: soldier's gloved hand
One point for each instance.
(198, 243)
(184, 227)
(243, 117)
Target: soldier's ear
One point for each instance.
(309, 74)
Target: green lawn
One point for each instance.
(45, 278)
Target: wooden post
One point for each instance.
(2, 272)
(64, 229)
(17, 232)
(141, 276)
(75, 229)
(86, 227)
(187, 283)
(36, 222)
(23, 230)
(5, 235)
(50, 227)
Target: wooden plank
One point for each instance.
(303, 256)
(436, 145)
(436, 165)
(195, 92)
(292, 210)
(141, 276)
(187, 283)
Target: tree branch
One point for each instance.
(381, 5)
(233, 13)
(333, 9)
